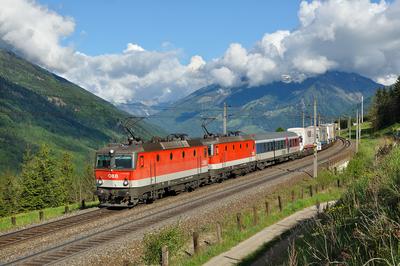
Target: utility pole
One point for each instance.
(319, 119)
(315, 172)
(362, 109)
(339, 127)
(349, 127)
(357, 118)
(359, 130)
(303, 119)
(225, 117)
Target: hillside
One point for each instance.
(267, 107)
(39, 107)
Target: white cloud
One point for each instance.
(224, 76)
(348, 35)
(133, 47)
(196, 62)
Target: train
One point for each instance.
(326, 134)
(128, 174)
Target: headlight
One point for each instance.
(99, 182)
(126, 182)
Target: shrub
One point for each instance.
(171, 236)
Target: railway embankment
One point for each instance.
(362, 228)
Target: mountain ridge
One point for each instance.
(267, 107)
(37, 107)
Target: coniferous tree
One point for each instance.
(10, 194)
(40, 181)
(386, 106)
(67, 178)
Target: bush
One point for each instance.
(171, 236)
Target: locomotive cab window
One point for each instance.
(183, 154)
(210, 150)
(171, 156)
(123, 161)
(158, 157)
(103, 161)
(194, 153)
(141, 161)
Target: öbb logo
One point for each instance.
(112, 175)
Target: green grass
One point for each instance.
(232, 236)
(364, 223)
(32, 217)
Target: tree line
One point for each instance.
(46, 180)
(385, 109)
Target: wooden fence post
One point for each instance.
(255, 216)
(311, 191)
(196, 242)
(83, 205)
(66, 209)
(318, 205)
(239, 221)
(14, 220)
(280, 203)
(267, 208)
(164, 256)
(338, 182)
(219, 232)
(41, 216)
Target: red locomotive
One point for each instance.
(127, 174)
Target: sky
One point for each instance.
(160, 51)
(204, 27)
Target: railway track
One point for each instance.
(83, 244)
(50, 227)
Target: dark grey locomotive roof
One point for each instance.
(150, 146)
(274, 135)
(225, 139)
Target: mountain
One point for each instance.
(267, 107)
(37, 107)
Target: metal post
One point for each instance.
(357, 132)
(339, 127)
(303, 119)
(349, 127)
(362, 109)
(225, 117)
(315, 172)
